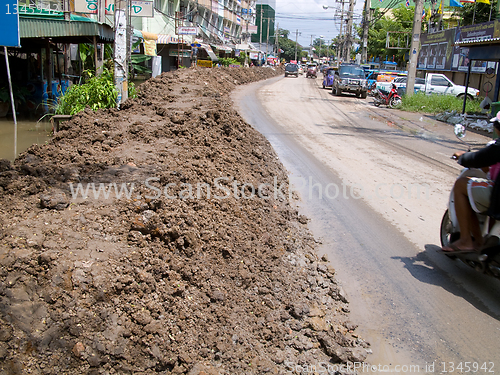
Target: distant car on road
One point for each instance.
(291, 70)
(312, 71)
(301, 69)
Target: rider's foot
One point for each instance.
(459, 246)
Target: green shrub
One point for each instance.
(98, 92)
(432, 104)
(226, 61)
(242, 57)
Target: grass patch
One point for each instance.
(433, 104)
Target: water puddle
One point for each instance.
(28, 133)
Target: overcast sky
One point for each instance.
(309, 18)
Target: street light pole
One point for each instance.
(340, 44)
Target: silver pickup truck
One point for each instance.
(350, 78)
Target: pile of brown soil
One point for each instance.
(168, 279)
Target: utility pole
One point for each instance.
(99, 59)
(277, 36)
(260, 32)
(415, 40)
(296, 38)
(311, 48)
(349, 30)
(319, 51)
(267, 44)
(341, 42)
(120, 53)
(366, 24)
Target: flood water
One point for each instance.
(28, 133)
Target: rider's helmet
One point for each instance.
(496, 121)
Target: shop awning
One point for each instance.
(222, 47)
(244, 46)
(208, 49)
(212, 55)
(35, 27)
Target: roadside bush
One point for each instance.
(433, 104)
(226, 61)
(98, 92)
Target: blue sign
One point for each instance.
(9, 19)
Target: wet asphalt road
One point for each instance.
(415, 306)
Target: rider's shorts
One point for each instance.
(479, 192)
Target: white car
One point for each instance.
(433, 83)
(400, 82)
(301, 69)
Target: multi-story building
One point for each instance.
(265, 22)
(217, 24)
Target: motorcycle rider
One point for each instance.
(474, 194)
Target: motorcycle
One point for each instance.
(487, 258)
(391, 99)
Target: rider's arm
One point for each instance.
(485, 157)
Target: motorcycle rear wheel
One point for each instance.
(447, 235)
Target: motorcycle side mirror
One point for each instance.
(460, 131)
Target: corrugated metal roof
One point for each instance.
(50, 28)
(478, 42)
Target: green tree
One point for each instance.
(401, 21)
(466, 14)
(324, 48)
(287, 45)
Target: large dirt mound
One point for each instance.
(204, 268)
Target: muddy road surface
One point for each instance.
(375, 184)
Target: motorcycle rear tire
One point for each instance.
(446, 234)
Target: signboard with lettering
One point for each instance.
(138, 8)
(176, 53)
(187, 30)
(438, 51)
(86, 6)
(482, 31)
(9, 19)
(204, 63)
(252, 29)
